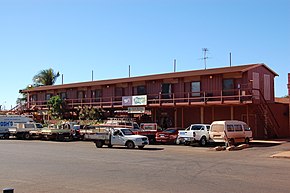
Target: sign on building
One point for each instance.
(140, 100)
(136, 109)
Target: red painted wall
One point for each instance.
(262, 70)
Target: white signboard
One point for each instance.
(140, 100)
(136, 109)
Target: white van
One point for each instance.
(8, 121)
(231, 131)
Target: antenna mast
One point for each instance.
(204, 56)
(174, 65)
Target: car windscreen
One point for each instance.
(169, 130)
(127, 132)
(196, 127)
(246, 127)
(39, 126)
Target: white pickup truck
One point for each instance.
(194, 133)
(119, 136)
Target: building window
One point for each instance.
(62, 95)
(33, 97)
(141, 90)
(195, 88)
(48, 96)
(166, 90)
(81, 94)
(228, 87)
(96, 94)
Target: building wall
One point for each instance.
(263, 71)
(289, 97)
(282, 116)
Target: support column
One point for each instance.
(182, 122)
(212, 114)
(201, 114)
(28, 100)
(248, 114)
(232, 112)
(175, 117)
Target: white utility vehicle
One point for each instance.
(231, 131)
(119, 136)
(195, 133)
(26, 130)
(8, 121)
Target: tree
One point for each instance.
(23, 98)
(56, 107)
(45, 77)
(90, 113)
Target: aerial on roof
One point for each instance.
(240, 68)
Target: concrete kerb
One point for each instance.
(284, 154)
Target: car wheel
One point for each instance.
(110, 146)
(232, 142)
(6, 136)
(141, 146)
(247, 141)
(203, 141)
(187, 143)
(99, 144)
(130, 145)
(26, 136)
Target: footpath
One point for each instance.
(282, 154)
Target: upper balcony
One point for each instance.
(228, 97)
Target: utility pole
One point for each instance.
(92, 75)
(204, 56)
(129, 71)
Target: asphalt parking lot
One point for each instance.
(47, 166)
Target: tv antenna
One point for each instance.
(204, 58)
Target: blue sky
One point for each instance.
(75, 37)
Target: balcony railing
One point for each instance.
(162, 99)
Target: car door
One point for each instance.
(117, 138)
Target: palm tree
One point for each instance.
(45, 77)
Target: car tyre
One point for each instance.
(232, 142)
(26, 136)
(203, 141)
(130, 145)
(6, 136)
(247, 140)
(186, 143)
(99, 144)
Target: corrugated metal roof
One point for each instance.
(212, 71)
